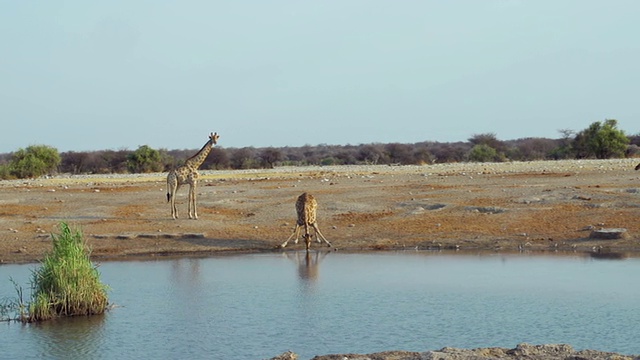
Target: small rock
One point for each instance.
(289, 355)
(609, 234)
(582, 197)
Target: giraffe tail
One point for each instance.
(168, 196)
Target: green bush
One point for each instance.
(145, 160)
(601, 140)
(67, 283)
(483, 153)
(34, 161)
(5, 172)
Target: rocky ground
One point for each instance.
(522, 206)
(522, 351)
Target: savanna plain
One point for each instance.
(543, 206)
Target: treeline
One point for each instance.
(600, 140)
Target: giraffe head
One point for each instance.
(307, 240)
(214, 138)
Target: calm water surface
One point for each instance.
(258, 306)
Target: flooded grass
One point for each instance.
(67, 283)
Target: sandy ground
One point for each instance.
(525, 206)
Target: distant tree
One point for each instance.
(5, 172)
(5, 158)
(632, 151)
(34, 161)
(565, 149)
(5, 169)
(243, 158)
(370, 154)
(330, 160)
(484, 153)
(490, 140)
(312, 154)
(531, 149)
(422, 155)
(217, 159)
(399, 153)
(113, 161)
(346, 157)
(74, 162)
(144, 160)
(601, 140)
(269, 157)
(96, 163)
(449, 152)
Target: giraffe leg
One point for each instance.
(193, 214)
(315, 227)
(174, 209)
(172, 187)
(296, 232)
(195, 210)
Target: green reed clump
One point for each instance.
(67, 283)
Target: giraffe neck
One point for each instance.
(196, 160)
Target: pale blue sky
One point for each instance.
(95, 75)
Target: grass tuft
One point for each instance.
(67, 283)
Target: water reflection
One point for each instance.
(608, 255)
(77, 337)
(308, 264)
(186, 273)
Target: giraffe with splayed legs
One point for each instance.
(188, 174)
(306, 207)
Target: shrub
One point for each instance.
(34, 161)
(449, 152)
(483, 153)
(269, 157)
(5, 172)
(145, 160)
(489, 139)
(74, 162)
(601, 140)
(399, 153)
(243, 158)
(67, 283)
(371, 154)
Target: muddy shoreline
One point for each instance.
(538, 207)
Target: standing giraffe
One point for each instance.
(188, 174)
(306, 207)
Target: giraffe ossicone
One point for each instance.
(188, 174)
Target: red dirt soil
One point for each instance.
(536, 206)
